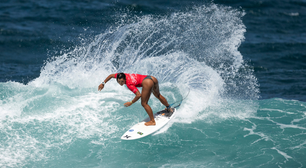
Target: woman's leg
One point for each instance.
(147, 85)
(157, 94)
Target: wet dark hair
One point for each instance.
(120, 76)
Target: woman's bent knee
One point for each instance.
(144, 104)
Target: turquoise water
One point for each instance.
(55, 126)
(240, 111)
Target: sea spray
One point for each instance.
(206, 35)
(195, 49)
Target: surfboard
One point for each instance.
(140, 130)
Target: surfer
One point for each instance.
(148, 83)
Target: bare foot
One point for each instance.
(169, 110)
(150, 123)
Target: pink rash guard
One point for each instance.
(133, 81)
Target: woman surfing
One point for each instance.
(148, 83)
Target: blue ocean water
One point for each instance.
(243, 62)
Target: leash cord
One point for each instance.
(180, 100)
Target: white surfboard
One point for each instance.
(140, 130)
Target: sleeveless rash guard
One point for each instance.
(133, 81)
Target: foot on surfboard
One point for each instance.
(169, 109)
(150, 123)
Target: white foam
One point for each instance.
(260, 134)
(300, 146)
(80, 116)
(196, 50)
(286, 156)
(283, 126)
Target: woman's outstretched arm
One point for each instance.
(101, 86)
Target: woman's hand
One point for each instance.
(101, 86)
(127, 104)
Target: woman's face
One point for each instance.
(121, 81)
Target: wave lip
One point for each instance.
(195, 49)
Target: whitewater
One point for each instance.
(59, 119)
